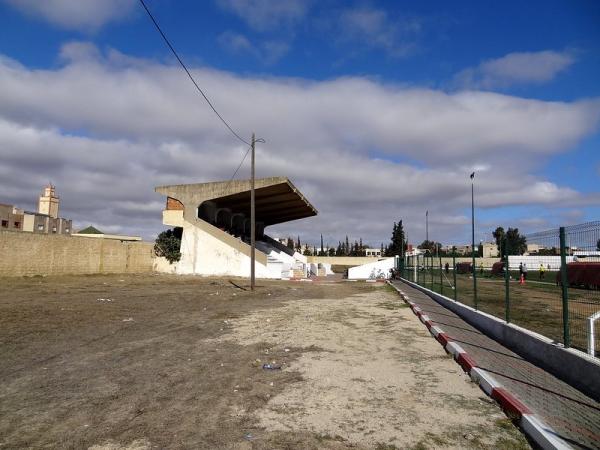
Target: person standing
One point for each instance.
(525, 271)
(542, 271)
(520, 269)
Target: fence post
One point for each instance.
(454, 273)
(565, 290)
(432, 272)
(417, 269)
(474, 278)
(506, 287)
(441, 276)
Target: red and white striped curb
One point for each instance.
(530, 423)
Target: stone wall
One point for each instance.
(30, 254)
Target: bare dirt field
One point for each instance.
(140, 362)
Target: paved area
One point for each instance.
(573, 415)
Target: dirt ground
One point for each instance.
(140, 362)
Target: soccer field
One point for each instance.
(535, 305)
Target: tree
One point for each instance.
(515, 243)
(322, 251)
(398, 242)
(499, 236)
(298, 245)
(331, 251)
(347, 248)
(168, 244)
(290, 243)
(430, 245)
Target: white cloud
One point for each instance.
(76, 14)
(376, 29)
(266, 14)
(516, 68)
(108, 128)
(269, 52)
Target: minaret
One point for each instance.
(49, 202)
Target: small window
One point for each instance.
(17, 224)
(40, 227)
(67, 230)
(5, 224)
(54, 229)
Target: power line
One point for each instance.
(240, 165)
(244, 158)
(192, 78)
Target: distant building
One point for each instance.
(463, 250)
(11, 218)
(413, 251)
(373, 252)
(533, 249)
(94, 233)
(45, 221)
(489, 250)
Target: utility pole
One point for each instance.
(252, 221)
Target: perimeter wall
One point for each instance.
(28, 254)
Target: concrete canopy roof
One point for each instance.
(277, 199)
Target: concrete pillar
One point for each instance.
(207, 211)
(260, 230)
(223, 218)
(237, 224)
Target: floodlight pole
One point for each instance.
(473, 239)
(427, 226)
(252, 221)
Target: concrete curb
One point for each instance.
(532, 425)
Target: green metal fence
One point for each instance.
(553, 289)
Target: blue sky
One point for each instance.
(509, 89)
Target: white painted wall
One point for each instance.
(161, 265)
(314, 267)
(204, 254)
(374, 270)
(533, 262)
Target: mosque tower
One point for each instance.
(49, 202)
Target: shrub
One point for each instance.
(167, 244)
